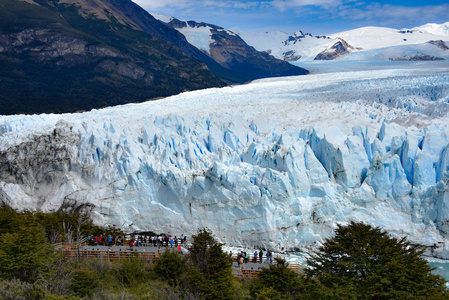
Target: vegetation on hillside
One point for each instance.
(359, 262)
(53, 59)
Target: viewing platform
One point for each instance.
(151, 254)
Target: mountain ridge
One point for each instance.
(66, 55)
(53, 59)
(306, 47)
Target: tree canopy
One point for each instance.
(275, 282)
(365, 262)
(170, 267)
(209, 268)
(24, 253)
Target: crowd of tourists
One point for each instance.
(244, 257)
(163, 240)
(135, 240)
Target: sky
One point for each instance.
(312, 16)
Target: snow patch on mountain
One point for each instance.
(161, 17)
(276, 163)
(198, 36)
(434, 29)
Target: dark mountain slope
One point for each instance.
(146, 22)
(60, 57)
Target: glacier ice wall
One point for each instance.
(276, 163)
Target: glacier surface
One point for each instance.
(276, 163)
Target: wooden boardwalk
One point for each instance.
(250, 269)
(148, 257)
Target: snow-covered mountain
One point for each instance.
(366, 43)
(275, 163)
(230, 51)
(304, 47)
(291, 47)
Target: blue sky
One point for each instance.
(313, 16)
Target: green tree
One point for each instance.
(132, 271)
(363, 262)
(276, 282)
(9, 219)
(170, 267)
(84, 282)
(209, 269)
(24, 253)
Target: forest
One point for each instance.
(358, 262)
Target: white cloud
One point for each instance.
(351, 13)
(390, 14)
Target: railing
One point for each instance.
(245, 274)
(72, 251)
(297, 268)
(148, 257)
(250, 273)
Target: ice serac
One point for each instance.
(276, 163)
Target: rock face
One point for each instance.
(231, 52)
(56, 57)
(441, 44)
(275, 163)
(339, 49)
(418, 57)
(291, 56)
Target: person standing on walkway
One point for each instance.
(240, 263)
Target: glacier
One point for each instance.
(275, 163)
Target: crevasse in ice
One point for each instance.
(276, 163)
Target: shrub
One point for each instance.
(170, 267)
(84, 282)
(16, 289)
(24, 253)
(276, 282)
(132, 271)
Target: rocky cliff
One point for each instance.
(337, 50)
(58, 56)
